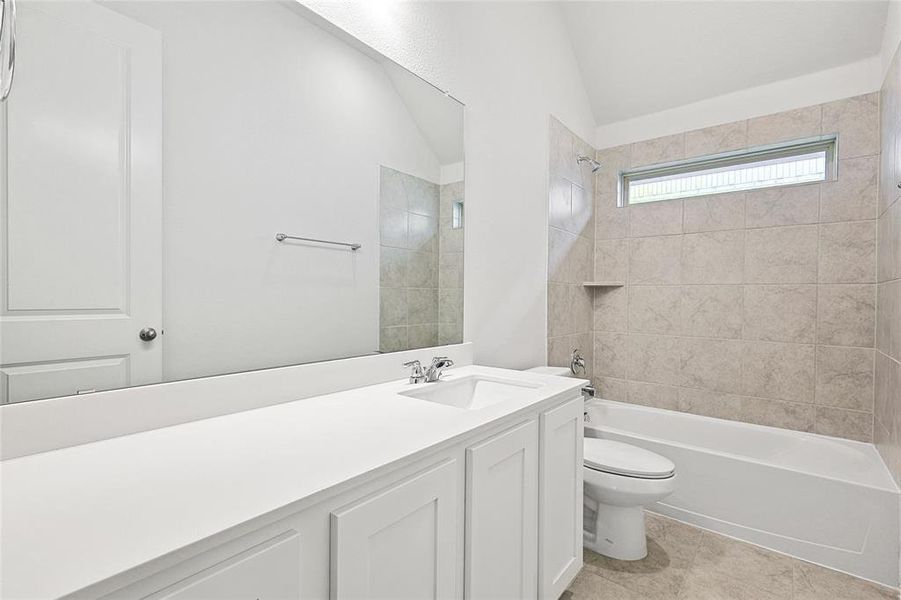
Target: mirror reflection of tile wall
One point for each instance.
(421, 262)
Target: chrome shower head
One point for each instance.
(595, 165)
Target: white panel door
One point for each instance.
(502, 516)
(80, 213)
(560, 498)
(400, 544)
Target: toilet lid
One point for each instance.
(622, 459)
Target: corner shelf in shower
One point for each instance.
(603, 284)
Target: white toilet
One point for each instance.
(620, 480)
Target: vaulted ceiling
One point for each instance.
(640, 57)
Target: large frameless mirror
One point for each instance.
(198, 188)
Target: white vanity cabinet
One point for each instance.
(502, 515)
(399, 543)
(496, 514)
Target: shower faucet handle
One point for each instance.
(577, 363)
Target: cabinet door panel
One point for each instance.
(502, 516)
(269, 571)
(560, 498)
(400, 543)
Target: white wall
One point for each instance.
(512, 64)
(270, 125)
(854, 79)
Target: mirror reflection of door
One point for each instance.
(81, 204)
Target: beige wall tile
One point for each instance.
(393, 227)
(422, 197)
(613, 162)
(422, 233)
(450, 269)
(785, 126)
(570, 257)
(888, 318)
(560, 349)
(611, 260)
(856, 120)
(423, 335)
(610, 388)
(392, 307)
(655, 260)
(450, 333)
(393, 339)
(781, 255)
(848, 252)
(712, 310)
(852, 197)
(422, 269)
(611, 221)
(658, 150)
(422, 306)
(450, 306)
(779, 371)
(610, 354)
(714, 213)
(845, 377)
(847, 424)
(654, 358)
(710, 404)
(788, 205)
(780, 313)
(562, 152)
(655, 309)
(846, 314)
(654, 394)
(611, 309)
(887, 380)
(711, 364)
(569, 309)
(392, 267)
(889, 242)
(713, 257)
(581, 218)
(451, 240)
(559, 201)
(716, 139)
(655, 218)
(776, 413)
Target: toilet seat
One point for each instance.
(617, 458)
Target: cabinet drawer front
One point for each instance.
(400, 543)
(502, 515)
(268, 571)
(560, 497)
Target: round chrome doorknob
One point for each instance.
(147, 334)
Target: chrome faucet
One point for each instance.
(417, 376)
(577, 363)
(439, 363)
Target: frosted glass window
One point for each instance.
(785, 165)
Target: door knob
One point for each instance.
(147, 334)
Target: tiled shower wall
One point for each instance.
(570, 247)
(450, 266)
(888, 290)
(408, 275)
(755, 306)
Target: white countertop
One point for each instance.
(76, 516)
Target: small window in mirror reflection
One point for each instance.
(457, 222)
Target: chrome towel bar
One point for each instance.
(281, 237)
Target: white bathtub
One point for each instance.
(825, 500)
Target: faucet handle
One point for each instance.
(417, 376)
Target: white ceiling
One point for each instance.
(640, 57)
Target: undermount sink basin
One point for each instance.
(472, 392)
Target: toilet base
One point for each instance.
(618, 532)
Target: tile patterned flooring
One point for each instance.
(687, 563)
